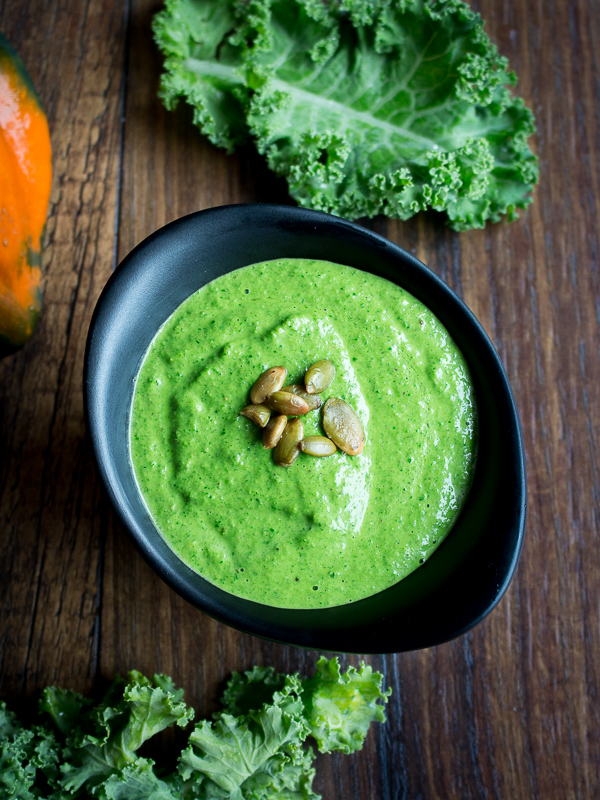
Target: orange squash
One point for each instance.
(25, 177)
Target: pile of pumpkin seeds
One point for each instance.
(277, 410)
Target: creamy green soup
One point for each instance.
(325, 531)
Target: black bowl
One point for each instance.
(466, 576)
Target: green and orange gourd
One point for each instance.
(25, 177)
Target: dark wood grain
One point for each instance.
(509, 710)
(53, 513)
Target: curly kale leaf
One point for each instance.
(339, 708)
(365, 106)
(250, 755)
(255, 749)
(101, 741)
(29, 760)
(260, 685)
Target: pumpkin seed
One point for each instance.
(288, 447)
(273, 431)
(313, 400)
(286, 403)
(259, 414)
(341, 424)
(319, 377)
(318, 446)
(270, 381)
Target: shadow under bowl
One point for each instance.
(466, 576)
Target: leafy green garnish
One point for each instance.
(365, 106)
(339, 708)
(255, 749)
(23, 753)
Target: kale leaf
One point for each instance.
(365, 106)
(254, 749)
(339, 708)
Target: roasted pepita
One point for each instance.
(270, 381)
(259, 414)
(287, 403)
(273, 431)
(341, 423)
(313, 400)
(319, 377)
(318, 446)
(288, 447)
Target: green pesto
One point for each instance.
(324, 531)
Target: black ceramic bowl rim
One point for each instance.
(466, 576)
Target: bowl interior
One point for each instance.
(465, 577)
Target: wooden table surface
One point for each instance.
(509, 710)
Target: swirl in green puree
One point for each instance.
(324, 531)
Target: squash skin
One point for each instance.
(25, 179)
